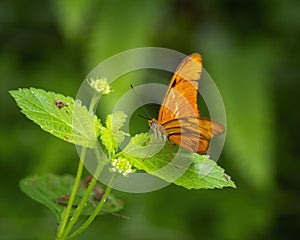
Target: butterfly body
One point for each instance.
(179, 119)
(158, 130)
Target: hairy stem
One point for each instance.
(67, 211)
(96, 211)
(87, 193)
(61, 233)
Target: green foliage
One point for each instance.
(54, 44)
(54, 113)
(202, 172)
(112, 136)
(53, 192)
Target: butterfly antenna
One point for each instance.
(142, 104)
(140, 115)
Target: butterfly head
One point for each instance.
(158, 130)
(152, 123)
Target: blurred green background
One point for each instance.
(250, 48)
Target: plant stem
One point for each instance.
(94, 101)
(96, 211)
(67, 212)
(82, 203)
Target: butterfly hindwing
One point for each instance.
(192, 133)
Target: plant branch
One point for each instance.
(82, 203)
(96, 211)
(67, 211)
(62, 232)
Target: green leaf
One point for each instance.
(54, 113)
(111, 135)
(190, 170)
(52, 191)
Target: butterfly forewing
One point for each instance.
(181, 97)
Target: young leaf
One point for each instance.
(111, 135)
(54, 113)
(53, 191)
(190, 170)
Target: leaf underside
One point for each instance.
(53, 191)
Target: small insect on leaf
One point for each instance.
(63, 200)
(60, 104)
(98, 192)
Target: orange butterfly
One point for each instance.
(179, 119)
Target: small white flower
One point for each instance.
(121, 166)
(100, 85)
